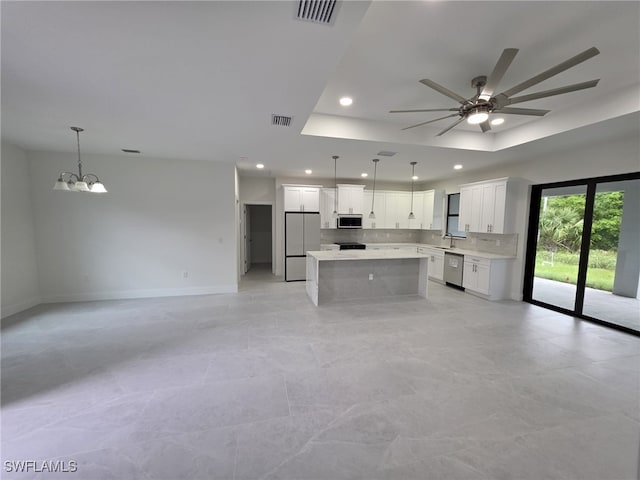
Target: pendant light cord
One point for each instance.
(79, 158)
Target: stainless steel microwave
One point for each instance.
(350, 221)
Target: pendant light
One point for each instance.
(79, 182)
(335, 185)
(375, 161)
(413, 176)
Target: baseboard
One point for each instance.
(147, 293)
(517, 296)
(8, 310)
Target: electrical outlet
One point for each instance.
(371, 276)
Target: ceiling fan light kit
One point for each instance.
(477, 109)
(77, 182)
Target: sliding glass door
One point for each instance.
(583, 249)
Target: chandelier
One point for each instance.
(73, 182)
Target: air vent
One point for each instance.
(318, 11)
(385, 153)
(281, 120)
(128, 150)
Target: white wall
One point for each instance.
(161, 218)
(20, 289)
(602, 159)
(258, 190)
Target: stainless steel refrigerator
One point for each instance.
(301, 234)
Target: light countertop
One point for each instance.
(364, 255)
(396, 245)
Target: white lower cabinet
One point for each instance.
(436, 262)
(486, 277)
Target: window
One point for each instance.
(453, 213)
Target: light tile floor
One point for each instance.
(598, 304)
(263, 384)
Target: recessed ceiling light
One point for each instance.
(260, 166)
(346, 101)
(308, 171)
(363, 174)
(457, 167)
(497, 121)
(415, 177)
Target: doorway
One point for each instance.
(258, 238)
(583, 249)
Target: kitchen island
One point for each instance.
(334, 276)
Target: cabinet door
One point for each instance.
(378, 209)
(391, 201)
(488, 207)
(466, 207)
(482, 278)
(292, 199)
(310, 199)
(438, 270)
(344, 200)
(418, 211)
(500, 208)
(403, 207)
(469, 276)
(357, 201)
(427, 205)
(327, 204)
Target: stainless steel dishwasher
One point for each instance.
(453, 265)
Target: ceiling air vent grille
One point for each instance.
(129, 150)
(281, 120)
(318, 11)
(385, 153)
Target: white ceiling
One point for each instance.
(200, 80)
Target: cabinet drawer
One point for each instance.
(477, 260)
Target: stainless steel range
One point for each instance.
(351, 245)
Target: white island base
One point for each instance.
(334, 276)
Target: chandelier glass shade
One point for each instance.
(77, 182)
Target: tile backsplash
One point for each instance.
(482, 242)
(370, 236)
(502, 244)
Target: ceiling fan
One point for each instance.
(476, 109)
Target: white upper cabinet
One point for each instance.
(488, 207)
(327, 205)
(378, 210)
(418, 211)
(432, 216)
(350, 199)
(301, 198)
(397, 207)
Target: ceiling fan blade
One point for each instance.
(567, 64)
(430, 121)
(522, 111)
(498, 72)
(450, 126)
(445, 91)
(485, 126)
(554, 91)
(425, 110)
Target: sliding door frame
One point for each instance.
(532, 241)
